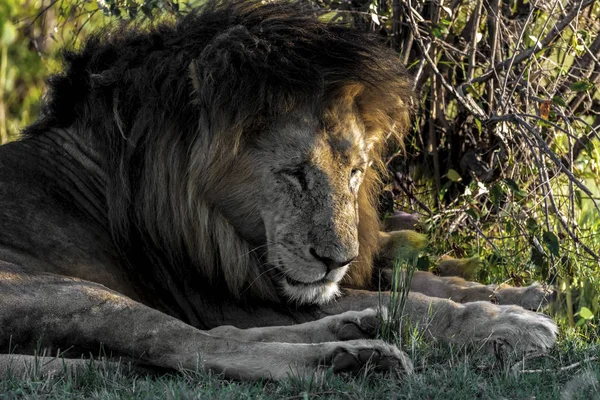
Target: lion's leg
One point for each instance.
(406, 244)
(479, 321)
(437, 318)
(531, 297)
(349, 325)
(57, 312)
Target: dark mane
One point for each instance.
(163, 105)
(253, 60)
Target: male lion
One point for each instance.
(215, 174)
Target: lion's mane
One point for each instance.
(166, 107)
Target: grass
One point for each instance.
(442, 372)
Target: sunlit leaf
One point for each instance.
(9, 33)
(586, 313)
(453, 175)
(375, 19)
(478, 124)
(535, 41)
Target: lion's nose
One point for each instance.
(330, 263)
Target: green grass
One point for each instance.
(442, 372)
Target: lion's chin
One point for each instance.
(318, 293)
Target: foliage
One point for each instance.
(31, 36)
(504, 158)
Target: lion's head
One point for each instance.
(307, 172)
(241, 145)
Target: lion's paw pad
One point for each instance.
(359, 324)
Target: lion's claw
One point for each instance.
(358, 324)
(382, 357)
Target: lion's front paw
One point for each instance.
(351, 357)
(515, 329)
(353, 325)
(534, 297)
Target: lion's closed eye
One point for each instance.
(296, 176)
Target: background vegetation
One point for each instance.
(503, 161)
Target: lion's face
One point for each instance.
(311, 175)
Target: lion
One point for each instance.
(202, 194)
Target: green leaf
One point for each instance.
(497, 194)
(551, 242)
(559, 101)
(478, 124)
(532, 225)
(538, 258)
(9, 33)
(514, 187)
(453, 175)
(473, 213)
(437, 32)
(578, 199)
(586, 313)
(582, 86)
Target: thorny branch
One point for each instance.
(504, 115)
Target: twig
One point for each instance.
(53, 2)
(561, 369)
(542, 47)
(466, 101)
(511, 60)
(557, 29)
(555, 158)
(474, 29)
(400, 184)
(550, 195)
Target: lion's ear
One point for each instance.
(246, 74)
(226, 75)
